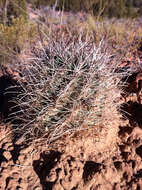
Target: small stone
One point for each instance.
(7, 155)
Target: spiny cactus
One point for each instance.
(70, 86)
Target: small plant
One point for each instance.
(70, 86)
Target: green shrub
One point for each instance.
(12, 9)
(15, 37)
(17, 8)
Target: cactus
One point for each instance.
(69, 85)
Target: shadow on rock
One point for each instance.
(9, 90)
(90, 169)
(132, 111)
(43, 166)
(5, 95)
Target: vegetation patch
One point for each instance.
(71, 86)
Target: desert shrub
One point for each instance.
(70, 86)
(114, 8)
(17, 8)
(15, 37)
(38, 3)
(12, 9)
(109, 8)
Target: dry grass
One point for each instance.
(122, 35)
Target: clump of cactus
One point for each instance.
(69, 85)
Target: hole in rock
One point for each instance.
(90, 168)
(139, 151)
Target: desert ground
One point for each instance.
(103, 157)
